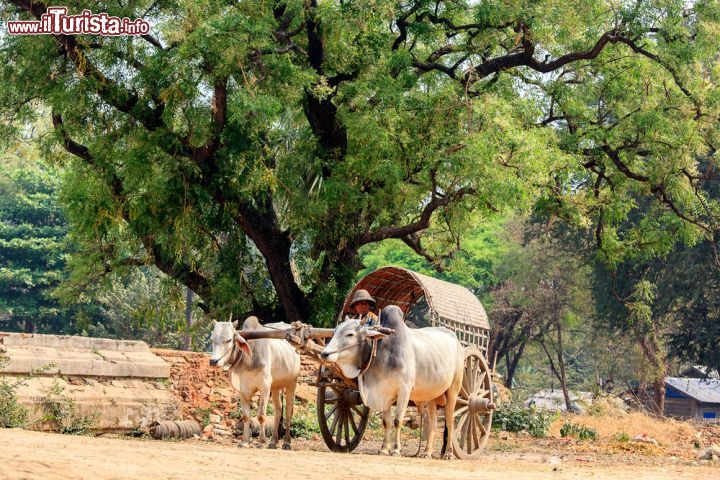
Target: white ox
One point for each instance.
(266, 366)
(423, 365)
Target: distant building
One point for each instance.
(695, 394)
(554, 400)
(700, 371)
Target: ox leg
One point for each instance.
(277, 406)
(387, 426)
(451, 399)
(245, 402)
(430, 428)
(262, 413)
(289, 405)
(400, 409)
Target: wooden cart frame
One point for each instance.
(426, 301)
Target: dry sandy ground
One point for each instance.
(33, 455)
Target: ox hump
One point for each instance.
(251, 323)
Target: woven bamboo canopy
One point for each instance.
(448, 303)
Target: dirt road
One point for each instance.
(33, 455)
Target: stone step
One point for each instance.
(79, 356)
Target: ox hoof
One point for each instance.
(384, 452)
(244, 445)
(272, 446)
(448, 456)
(396, 453)
(286, 446)
(426, 455)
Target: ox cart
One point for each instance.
(425, 301)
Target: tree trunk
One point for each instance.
(659, 394)
(512, 364)
(653, 353)
(559, 369)
(293, 300)
(187, 340)
(561, 365)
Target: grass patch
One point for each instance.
(579, 431)
(305, 421)
(517, 419)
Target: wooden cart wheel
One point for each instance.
(341, 414)
(473, 411)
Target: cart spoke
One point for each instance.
(335, 421)
(461, 410)
(481, 381)
(459, 426)
(476, 433)
(338, 436)
(465, 385)
(331, 412)
(467, 376)
(352, 422)
(347, 427)
(482, 426)
(461, 401)
(468, 432)
(356, 410)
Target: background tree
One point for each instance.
(32, 245)
(545, 299)
(263, 145)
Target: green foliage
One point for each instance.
(202, 415)
(518, 418)
(622, 437)
(582, 432)
(144, 305)
(32, 246)
(12, 413)
(61, 413)
(257, 152)
(305, 421)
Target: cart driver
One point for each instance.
(362, 304)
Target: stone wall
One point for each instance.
(120, 383)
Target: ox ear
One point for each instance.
(243, 345)
(374, 334)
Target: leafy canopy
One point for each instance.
(251, 149)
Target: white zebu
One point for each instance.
(423, 365)
(266, 366)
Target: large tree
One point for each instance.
(270, 140)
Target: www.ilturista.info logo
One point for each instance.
(57, 22)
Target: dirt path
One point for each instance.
(34, 455)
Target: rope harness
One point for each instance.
(373, 353)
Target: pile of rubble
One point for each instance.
(205, 394)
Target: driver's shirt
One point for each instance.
(370, 319)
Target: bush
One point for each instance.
(622, 437)
(60, 411)
(305, 422)
(517, 419)
(12, 414)
(580, 431)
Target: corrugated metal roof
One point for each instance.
(705, 391)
